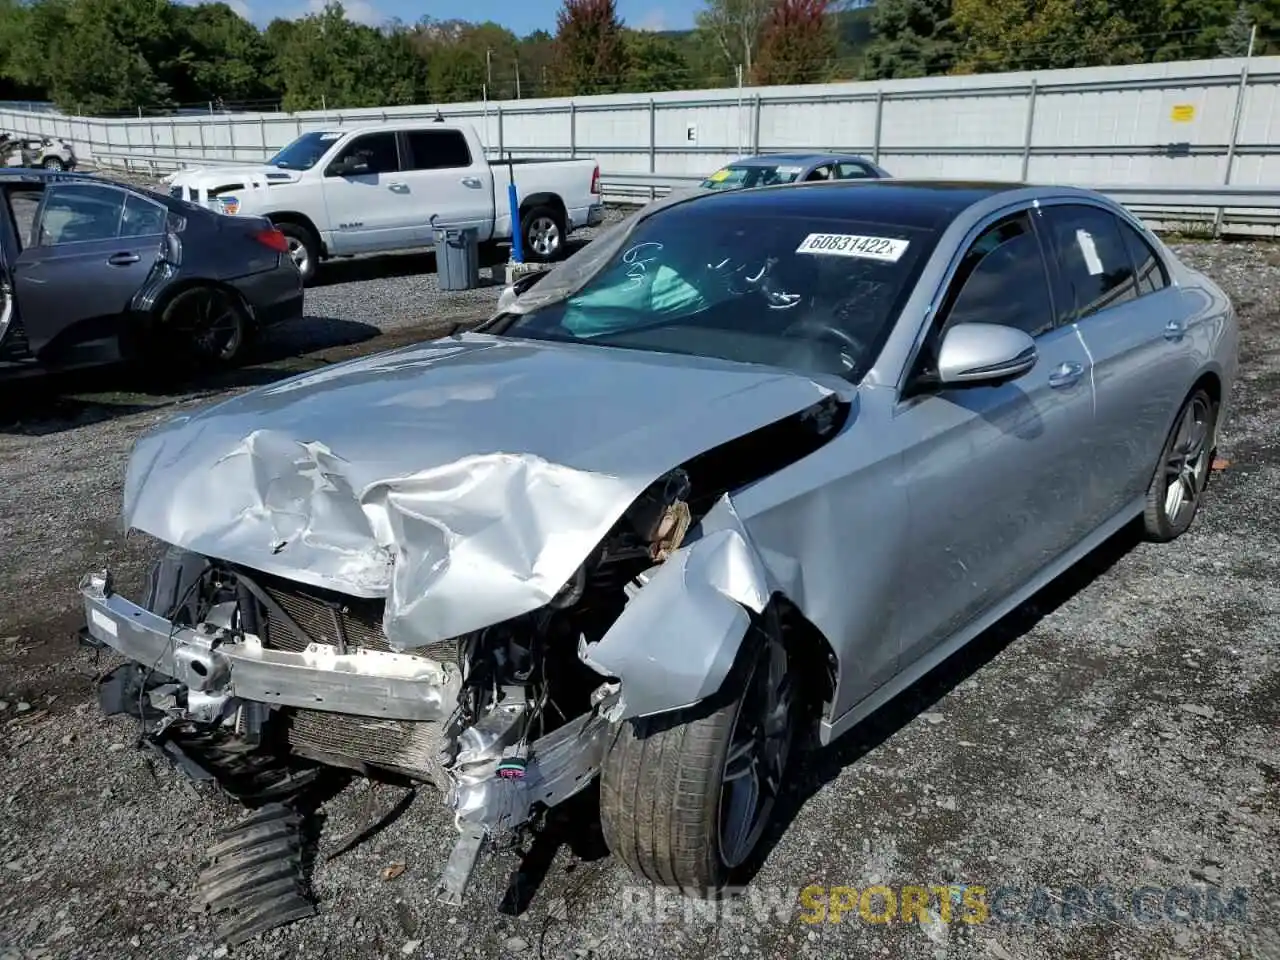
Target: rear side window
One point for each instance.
(377, 151)
(1002, 279)
(853, 171)
(142, 217)
(438, 149)
(1094, 264)
(80, 213)
(1151, 272)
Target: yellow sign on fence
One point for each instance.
(1183, 113)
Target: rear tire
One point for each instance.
(304, 249)
(1173, 497)
(542, 229)
(206, 326)
(670, 788)
(54, 163)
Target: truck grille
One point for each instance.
(403, 746)
(358, 621)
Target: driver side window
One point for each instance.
(1001, 279)
(376, 152)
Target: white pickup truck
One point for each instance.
(379, 188)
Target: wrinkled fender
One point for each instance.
(678, 636)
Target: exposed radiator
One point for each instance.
(403, 746)
(324, 619)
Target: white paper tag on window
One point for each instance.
(1089, 251)
(887, 249)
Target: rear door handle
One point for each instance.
(1066, 374)
(399, 186)
(470, 181)
(123, 259)
(1175, 330)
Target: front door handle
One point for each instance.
(1066, 374)
(123, 259)
(399, 186)
(1175, 330)
(471, 181)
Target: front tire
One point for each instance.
(54, 163)
(543, 231)
(685, 801)
(304, 249)
(1173, 498)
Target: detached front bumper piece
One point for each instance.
(214, 661)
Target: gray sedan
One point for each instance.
(773, 169)
(750, 462)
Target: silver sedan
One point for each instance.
(751, 460)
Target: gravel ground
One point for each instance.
(1119, 731)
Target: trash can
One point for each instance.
(457, 258)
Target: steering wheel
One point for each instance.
(813, 328)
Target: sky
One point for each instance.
(520, 16)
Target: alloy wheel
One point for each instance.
(299, 255)
(544, 236)
(212, 325)
(1187, 466)
(759, 745)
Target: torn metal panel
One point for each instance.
(465, 480)
(677, 638)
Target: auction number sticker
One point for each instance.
(887, 249)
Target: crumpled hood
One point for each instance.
(464, 479)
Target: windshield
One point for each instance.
(735, 177)
(785, 290)
(305, 152)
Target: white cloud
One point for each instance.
(654, 20)
(357, 11)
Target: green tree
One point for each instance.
(797, 43)
(225, 56)
(328, 61)
(912, 38)
(654, 62)
(1043, 34)
(1235, 39)
(733, 29)
(590, 53)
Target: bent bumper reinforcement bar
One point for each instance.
(213, 661)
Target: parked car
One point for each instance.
(749, 464)
(93, 272)
(373, 189)
(45, 152)
(771, 169)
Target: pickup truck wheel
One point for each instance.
(542, 230)
(53, 163)
(304, 249)
(685, 800)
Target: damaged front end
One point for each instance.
(507, 721)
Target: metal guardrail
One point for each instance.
(1192, 197)
(1255, 210)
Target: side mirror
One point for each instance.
(516, 288)
(348, 166)
(984, 354)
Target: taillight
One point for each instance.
(272, 238)
(595, 181)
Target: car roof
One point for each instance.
(926, 204)
(772, 159)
